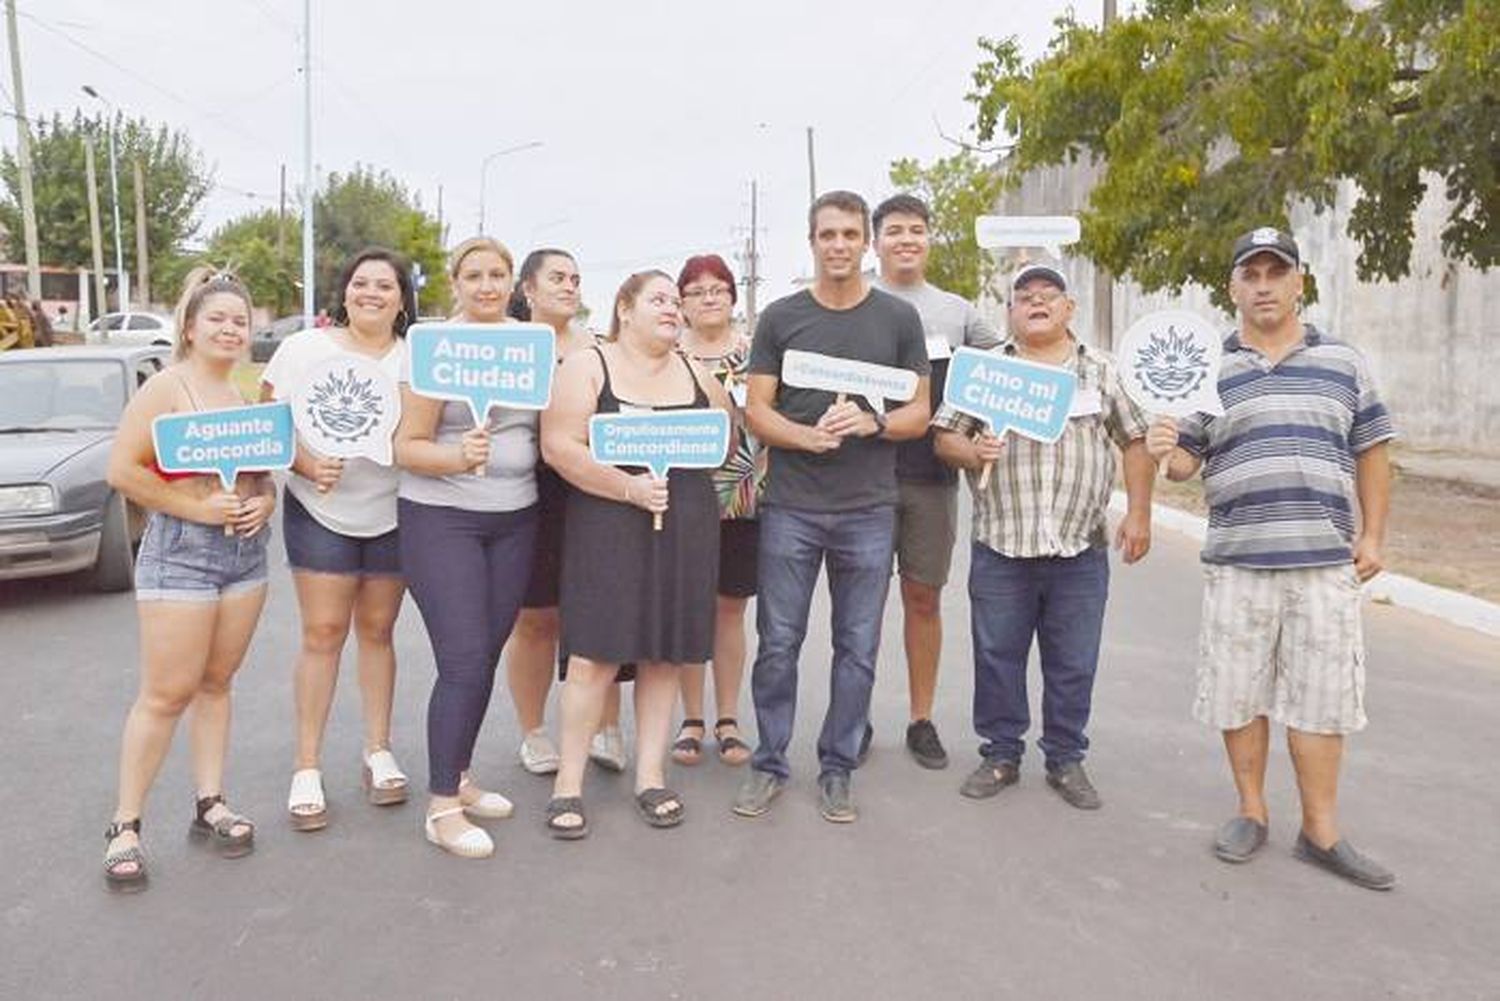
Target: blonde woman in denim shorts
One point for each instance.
(200, 580)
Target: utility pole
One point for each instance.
(23, 157)
(1104, 282)
(752, 260)
(442, 230)
(96, 233)
(142, 262)
(281, 220)
(309, 303)
(812, 173)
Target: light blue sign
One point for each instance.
(225, 442)
(673, 439)
(484, 364)
(1009, 394)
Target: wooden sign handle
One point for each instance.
(984, 475)
(656, 522)
(479, 469)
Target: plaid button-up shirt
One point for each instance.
(1050, 499)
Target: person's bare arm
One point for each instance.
(1372, 483)
(133, 455)
(416, 448)
(1133, 536)
(1161, 441)
(905, 423)
(772, 428)
(322, 472)
(565, 439)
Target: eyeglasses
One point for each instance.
(710, 292)
(1045, 297)
(661, 301)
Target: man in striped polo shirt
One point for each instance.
(1297, 479)
(1039, 566)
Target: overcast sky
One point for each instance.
(654, 116)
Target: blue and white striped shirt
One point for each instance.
(1278, 470)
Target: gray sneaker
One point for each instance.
(989, 778)
(1073, 785)
(835, 800)
(1344, 860)
(1239, 839)
(756, 793)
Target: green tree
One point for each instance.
(956, 189)
(248, 247)
(363, 208)
(1210, 117)
(176, 181)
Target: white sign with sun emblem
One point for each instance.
(348, 407)
(1169, 364)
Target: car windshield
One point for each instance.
(61, 395)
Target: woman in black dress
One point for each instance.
(630, 594)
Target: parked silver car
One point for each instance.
(132, 330)
(59, 411)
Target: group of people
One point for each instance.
(514, 541)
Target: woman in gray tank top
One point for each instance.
(467, 507)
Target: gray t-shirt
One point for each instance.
(508, 482)
(881, 330)
(949, 321)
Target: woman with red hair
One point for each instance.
(708, 294)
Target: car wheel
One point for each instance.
(114, 570)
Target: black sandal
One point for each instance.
(650, 801)
(688, 750)
(116, 879)
(559, 807)
(730, 743)
(221, 832)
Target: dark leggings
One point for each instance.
(468, 572)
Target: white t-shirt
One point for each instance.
(363, 502)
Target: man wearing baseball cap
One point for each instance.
(1297, 479)
(1039, 564)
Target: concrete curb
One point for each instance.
(1388, 588)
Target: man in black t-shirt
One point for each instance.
(831, 495)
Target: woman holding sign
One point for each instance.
(200, 578)
(708, 297)
(631, 594)
(468, 512)
(340, 526)
(547, 291)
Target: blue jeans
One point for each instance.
(794, 544)
(468, 572)
(1060, 601)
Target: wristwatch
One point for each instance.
(880, 423)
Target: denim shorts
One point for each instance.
(187, 561)
(314, 547)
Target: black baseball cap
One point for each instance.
(1040, 272)
(1266, 240)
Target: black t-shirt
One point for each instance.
(881, 330)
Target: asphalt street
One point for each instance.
(928, 895)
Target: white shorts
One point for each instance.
(1286, 644)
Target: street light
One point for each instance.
(484, 168)
(114, 193)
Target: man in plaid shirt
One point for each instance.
(1040, 566)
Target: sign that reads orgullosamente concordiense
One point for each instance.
(661, 441)
(225, 442)
(484, 364)
(1010, 394)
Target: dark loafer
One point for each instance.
(1073, 785)
(1346, 861)
(989, 778)
(925, 746)
(756, 793)
(1239, 839)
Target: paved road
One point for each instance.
(927, 895)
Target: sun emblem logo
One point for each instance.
(1170, 366)
(344, 407)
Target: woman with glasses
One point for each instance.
(630, 593)
(339, 524)
(547, 291)
(708, 298)
(468, 514)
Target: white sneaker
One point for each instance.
(607, 749)
(538, 753)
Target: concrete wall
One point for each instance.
(1429, 338)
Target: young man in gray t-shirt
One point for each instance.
(831, 495)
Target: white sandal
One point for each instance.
(385, 782)
(473, 843)
(489, 805)
(305, 802)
